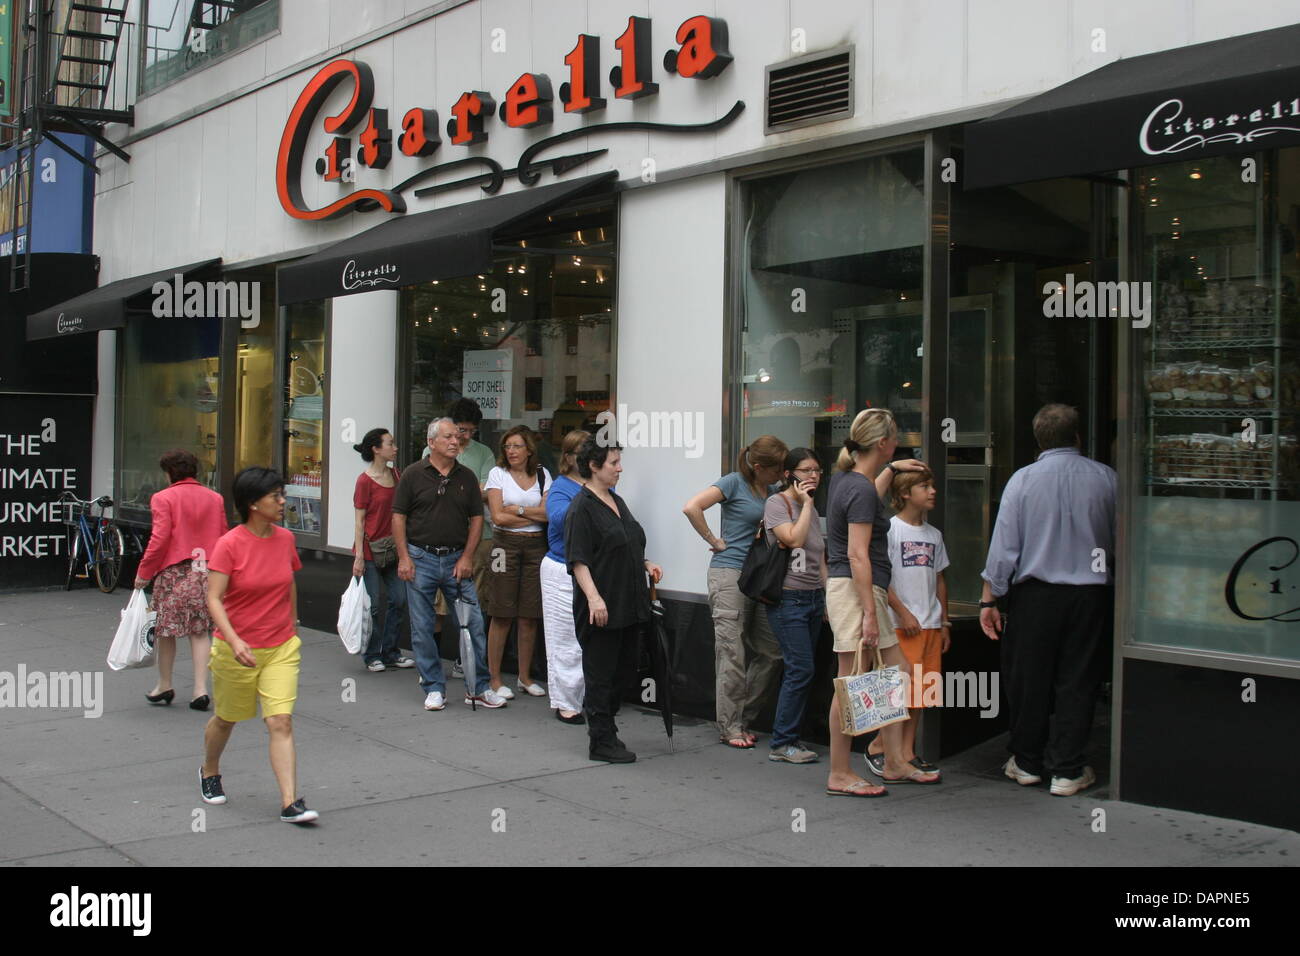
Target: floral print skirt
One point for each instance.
(180, 596)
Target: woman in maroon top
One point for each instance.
(187, 521)
(373, 501)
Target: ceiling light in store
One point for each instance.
(580, 235)
(455, 331)
(902, 297)
(577, 260)
(482, 277)
(525, 291)
(510, 268)
(482, 287)
(1195, 173)
(474, 314)
(907, 385)
(1175, 235)
(435, 308)
(522, 270)
(435, 281)
(582, 281)
(764, 375)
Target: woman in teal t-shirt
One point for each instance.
(740, 628)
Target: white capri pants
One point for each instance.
(563, 654)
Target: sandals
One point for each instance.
(738, 742)
(913, 777)
(859, 789)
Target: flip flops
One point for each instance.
(739, 742)
(858, 789)
(912, 778)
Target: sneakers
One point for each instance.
(532, 690)
(612, 753)
(489, 699)
(1068, 786)
(504, 692)
(297, 812)
(457, 671)
(434, 701)
(1022, 777)
(792, 753)
(403, 662)
(211, 788)
(376, 666)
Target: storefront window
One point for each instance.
(530, 341)
(304, 416)
(1214, 560)
(168, 400)
(256, 410)
(831, 304)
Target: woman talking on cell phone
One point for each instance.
(253, 599)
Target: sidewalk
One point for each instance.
(396, 785)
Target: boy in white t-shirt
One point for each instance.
(918, 598)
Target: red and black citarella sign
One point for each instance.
(700, 53)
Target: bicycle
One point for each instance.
(98, 536)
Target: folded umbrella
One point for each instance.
(467, 662)
(661, 654)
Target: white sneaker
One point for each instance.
(533, 690)
(504, 692)
(489, 699)
(1067, 787)
(457, 671)
(434, 701)
(1022, 777)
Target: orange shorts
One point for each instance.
(924, 654)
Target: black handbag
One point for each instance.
(762, 577)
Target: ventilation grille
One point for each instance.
(812, 89)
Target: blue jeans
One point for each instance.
(433, 573)
(383, 646)
(796, 622)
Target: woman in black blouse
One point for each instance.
(605, 550)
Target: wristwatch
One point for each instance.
(984, 604)
(890, 466)
(519, 510)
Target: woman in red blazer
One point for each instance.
(187, 521)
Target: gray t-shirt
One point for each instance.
(805, 573)
(741, 513)
(853, 500)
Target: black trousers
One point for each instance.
(1053, 658)
(608, 668)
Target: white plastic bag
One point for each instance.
(133, 644)
(355, 624)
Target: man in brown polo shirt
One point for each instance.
(437, 523)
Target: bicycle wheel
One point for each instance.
(109, 548)
(74, 551)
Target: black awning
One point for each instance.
(409, 249)
(1237, 95)
(105, 307)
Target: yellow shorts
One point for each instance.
(236, 688)
(845, 613)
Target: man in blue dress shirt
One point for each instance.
(1051, 558)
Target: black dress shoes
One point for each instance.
(166, 697)
(200, 703)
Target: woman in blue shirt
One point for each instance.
(740, 627)
(563, 655)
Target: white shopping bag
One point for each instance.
(355, 624)
(133, 643)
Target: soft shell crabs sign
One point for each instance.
(701, 53)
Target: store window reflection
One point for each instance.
(529, 341)
(831, 302)
(1217, 401)
(256, 409)
(169, 399)
(304, 416)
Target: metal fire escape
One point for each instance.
(67, 84)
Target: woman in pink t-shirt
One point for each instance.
(253, 599)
